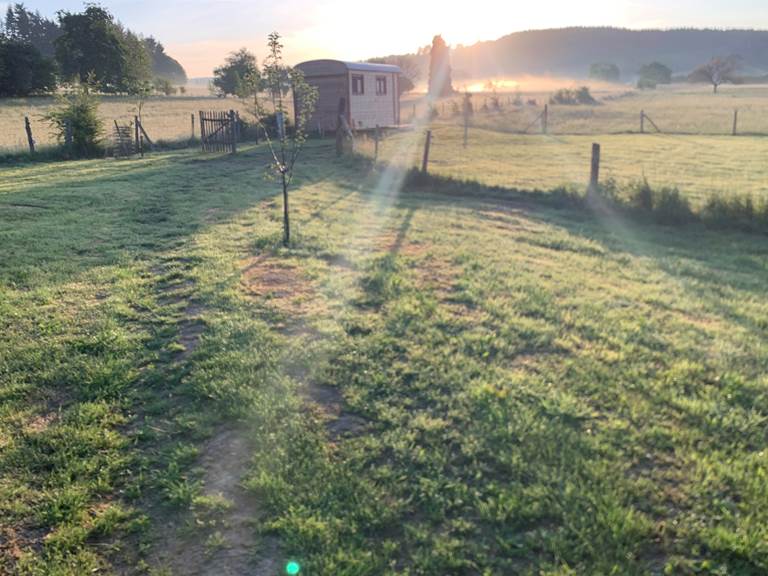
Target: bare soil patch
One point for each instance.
(281, 284)
(221, 543)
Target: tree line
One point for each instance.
(37, 54)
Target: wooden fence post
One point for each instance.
(735, 122)
(376, 137)
(233, 130)
(202, 130)
(642, 121)
(427, 146)
(465, 111)
(68, 136)
(594, 177)
(136, 134)
(192, 120)
(545, 120)
(30, 140)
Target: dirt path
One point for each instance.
(218, 535)
(224, 542)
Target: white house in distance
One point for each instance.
(371, 93)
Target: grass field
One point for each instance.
(164, 118)
(421, 384)
(699, 166)
(679, 108)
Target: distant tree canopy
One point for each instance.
(238, 76)
(653, 74)
(440, 81)
(78, 46)
(409, 69)
(24, 71)
(163, 66)
(717, 71)
(25, 27)
(92, 43)
(605, 71)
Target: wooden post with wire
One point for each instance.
(642, 121)
(68, 136)
(137, 139)
(192, 119)
(427, 146)
(594, 176)
(545, 120)
(735, 122)
(30, 140)
(234, 121)
(466, 112)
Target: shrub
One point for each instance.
(671, 207)
(646, 84)
(665, 205)
(164, 86)
(77, 111)
(738, 211)
(654, 74)
(641, 196)
(573, 97)
(605, 71)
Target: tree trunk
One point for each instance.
(715, 89)
(286, 218)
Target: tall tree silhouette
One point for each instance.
(440, 82)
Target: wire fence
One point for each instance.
(699, 166)
(736, 114)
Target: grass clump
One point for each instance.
(573, 97)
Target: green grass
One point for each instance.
(699, 166)
(522, 389)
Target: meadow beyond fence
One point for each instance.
(699, 166)
(674, 109)
(164, 118)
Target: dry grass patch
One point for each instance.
(280, 284)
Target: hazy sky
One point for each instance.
(199, 33)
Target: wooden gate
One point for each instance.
(123, 140)
(218, 131)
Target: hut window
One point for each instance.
(381, 85)
(358, 84)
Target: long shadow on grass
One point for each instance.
(721, 259)
(127, 208)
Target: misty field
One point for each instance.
(677, 109)
(422, 384)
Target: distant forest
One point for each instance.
(572, 51)
(37, 54)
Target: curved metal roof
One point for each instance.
(316, 66)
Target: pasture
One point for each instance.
(423, 383)
(165, 118)
(676, 109)
(699, 166)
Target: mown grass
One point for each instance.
(526, 388)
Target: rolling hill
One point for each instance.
(570, 51)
